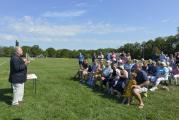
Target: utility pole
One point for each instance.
(177, 37)
(177, 33)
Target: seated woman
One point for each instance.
(122, 81)
(91, 73)
(128, 89)
(98, 73)
(84, 71)
(161, 75)
(114, 78)
(175, 73)
(142, 84)
(106, 74)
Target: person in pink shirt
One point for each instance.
(113, 57)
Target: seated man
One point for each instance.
(142, 83)
(152, 69)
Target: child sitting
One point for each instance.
(128, 89)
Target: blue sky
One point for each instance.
(86, 24)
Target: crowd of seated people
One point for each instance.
(119, 74)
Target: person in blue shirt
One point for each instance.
(162, 57)
(81, 59)
(161, 75)
(108, 57)
(128, 67)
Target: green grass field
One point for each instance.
(61, 98)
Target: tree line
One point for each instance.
(137, 50)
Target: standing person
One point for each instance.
(81, 59)
(128, 56)
(108, 56)
(128, 67)
(113, 57)
(175, 73)
(18, 75)
(94, 57)
(162, 57)
(177, 58)
(100, 57)
(142, 83)
(172, 61)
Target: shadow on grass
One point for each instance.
(102, 92)
(17, 119)
(4, 97)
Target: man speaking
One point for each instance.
(18, 75)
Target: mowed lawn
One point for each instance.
(61, 98)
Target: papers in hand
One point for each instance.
(31, 76)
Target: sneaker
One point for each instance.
(81, 81)
(145, 94)
(15, 104)
(141, 106)
(153, 89)
(165, 88)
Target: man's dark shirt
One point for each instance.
(18, 70)
(141, 77)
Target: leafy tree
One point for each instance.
(51, 52)
(1, 52)
(137, 50)
(8, 51)
(36, 50)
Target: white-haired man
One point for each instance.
(18, 75)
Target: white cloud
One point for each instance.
(4, 36)
(105, 28)
(74, 13)
(37, 27)
(39, 30)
